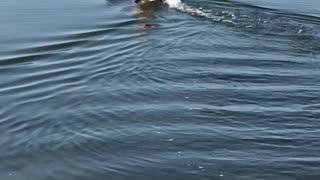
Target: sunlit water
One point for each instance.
(199, 89)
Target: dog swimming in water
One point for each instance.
(149, 6)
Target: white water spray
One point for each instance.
(174, 3)
(178, 4)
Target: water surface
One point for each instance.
(202, 89)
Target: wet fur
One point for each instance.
(153, 4)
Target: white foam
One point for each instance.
(177, 4)
(174, 3)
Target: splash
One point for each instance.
(217, 17)
(178, 4)
(174, 3)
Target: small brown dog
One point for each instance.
(147, 1)
(149, 5)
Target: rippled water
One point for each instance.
(203, 89)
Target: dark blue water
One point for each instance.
(204, 89)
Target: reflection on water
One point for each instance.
(203, 90)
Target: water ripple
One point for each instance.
(201, 90)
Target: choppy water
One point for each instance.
(206, 89)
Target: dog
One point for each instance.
(149, 6)
(148, 1)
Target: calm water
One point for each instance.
(205, 89)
